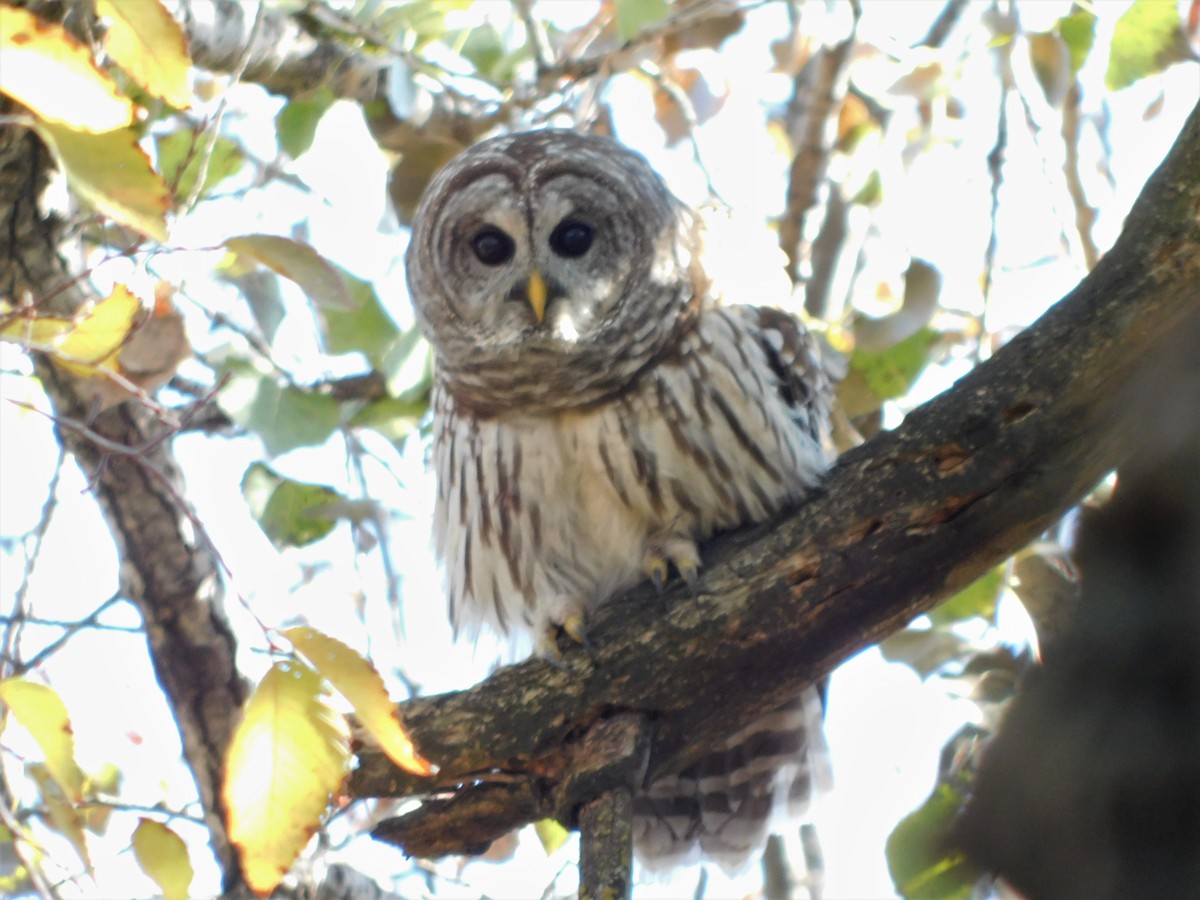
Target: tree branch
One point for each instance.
(164, 571)
(902, 522)
(280, 55)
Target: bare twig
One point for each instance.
(817, 93)
(944, 23)
(1085, 213)
(214, 128)
(687, 112)
(70, 629)
(8, 662)
(543, 55)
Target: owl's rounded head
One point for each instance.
(547, 269)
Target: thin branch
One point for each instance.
(70, 630)
(1085, 213)
(944, 23)
(817, 93)
(213, 129)
(687, 112)
(535, 34)
(12, 633)
(995, 167)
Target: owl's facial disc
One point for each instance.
(544, 253)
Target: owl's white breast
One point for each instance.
(541, 517)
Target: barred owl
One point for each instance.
(599, 408)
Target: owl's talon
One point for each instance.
(679, 552)
(573, 626)
(657, 568)
(547, 648)
(689, 570)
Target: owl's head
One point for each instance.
(546, 259)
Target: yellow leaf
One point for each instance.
(41, 711)
(357, 681)
(60, 815)
(323, 283)
(33, 332)
(163, 856)
(287, 758)
(96, 340)
(551, 834)
(54, 75)
(113, 174)
(148, 43)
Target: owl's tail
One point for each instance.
(724, 806)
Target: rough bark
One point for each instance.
(902, 522)
(270, 48)
(165, 570)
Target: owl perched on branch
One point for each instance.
(600, 407)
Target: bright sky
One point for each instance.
(885, 727)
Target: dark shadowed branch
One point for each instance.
(902, 522)
(1092, 787)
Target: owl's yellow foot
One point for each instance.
(679, 552)
(572, 626)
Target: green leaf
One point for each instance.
(483, 47)
(261, 290)
(60, 813)
(112, 174)
(890, 373)
(162, 855)
(408, 366)
(633, 16)
(1078, 31)
(292, 513)
(1051, 61)
(283, 417)
(977, 599)
(871, 190)
(918, 856)
(365, 327)
(296, 124)
(426, 19)
(394, 417)
(1145, 40)
(298, 262)
(181, 153)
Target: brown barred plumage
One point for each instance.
(597, 413)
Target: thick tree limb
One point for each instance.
(165, 570)
(277, 53)
(903, 522)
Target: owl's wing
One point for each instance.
(805, 367)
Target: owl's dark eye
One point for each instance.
(571, 238)
(492, 246)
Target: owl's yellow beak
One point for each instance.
(535, 292)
